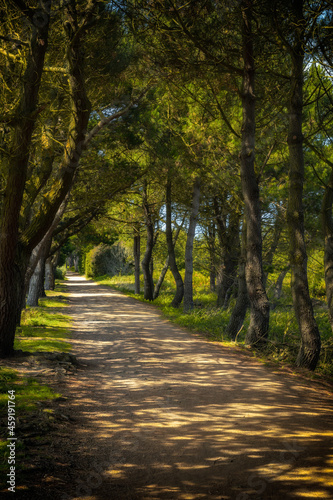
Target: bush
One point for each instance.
(60, 273)
(108, 260)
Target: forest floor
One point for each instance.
(154, 412)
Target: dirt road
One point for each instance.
(161, 413)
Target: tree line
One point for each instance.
(170, 115)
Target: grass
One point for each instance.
(211, 321)
(44, 328)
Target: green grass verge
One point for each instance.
(44, 328)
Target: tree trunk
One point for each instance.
(146, 261)
(269, 257)
(259, 322)
(238, 314)
(38, 258)
(13, 256)
(171, 251)
(327, 221)
(188, 280)
(212, 257)
(136, 253)
(36, 282)
(41, 290)
(230, 245)
(308, 354)
(279, 283)
(50, 269)
(165, 268)
(76, 263)
(34, 285)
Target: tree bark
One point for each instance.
(146, 261)
(230, 244)
(50, 268)
(49, 275)
(309, 351)
(165, 268)
(188, 280)
(13, 257)
(212, 256)
(136, 254)
(327, 222)
(269, 256)
(279, 283)
(238, 314)
(259, 322)
(171, 251)
(34, 285)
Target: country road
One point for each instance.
(161, 413)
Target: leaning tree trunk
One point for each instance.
(188, 280)
(309, 351)
(259, 320)
(171, 251)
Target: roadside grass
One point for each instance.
(206, 318)
(42, 329)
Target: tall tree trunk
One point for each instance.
(327, 221)
(259, 322)
(13, 257)
(136, 253)
(34, 285)
(238, 314)
(188, 280)
(49, 276)
(269, 257)
(279, 283)
(230, 244)
(171, 251)
(41, 291)
(212, 256)
(165, 268)
(308, 354)
(50, 269)
(146, 261)
(37, 278)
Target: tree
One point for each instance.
(259, 322)
(24, 151)
(188, 279)
(310, 337)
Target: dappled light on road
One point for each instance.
(177, 417)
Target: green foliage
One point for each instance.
(107, 260)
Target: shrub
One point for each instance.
(108, 260)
